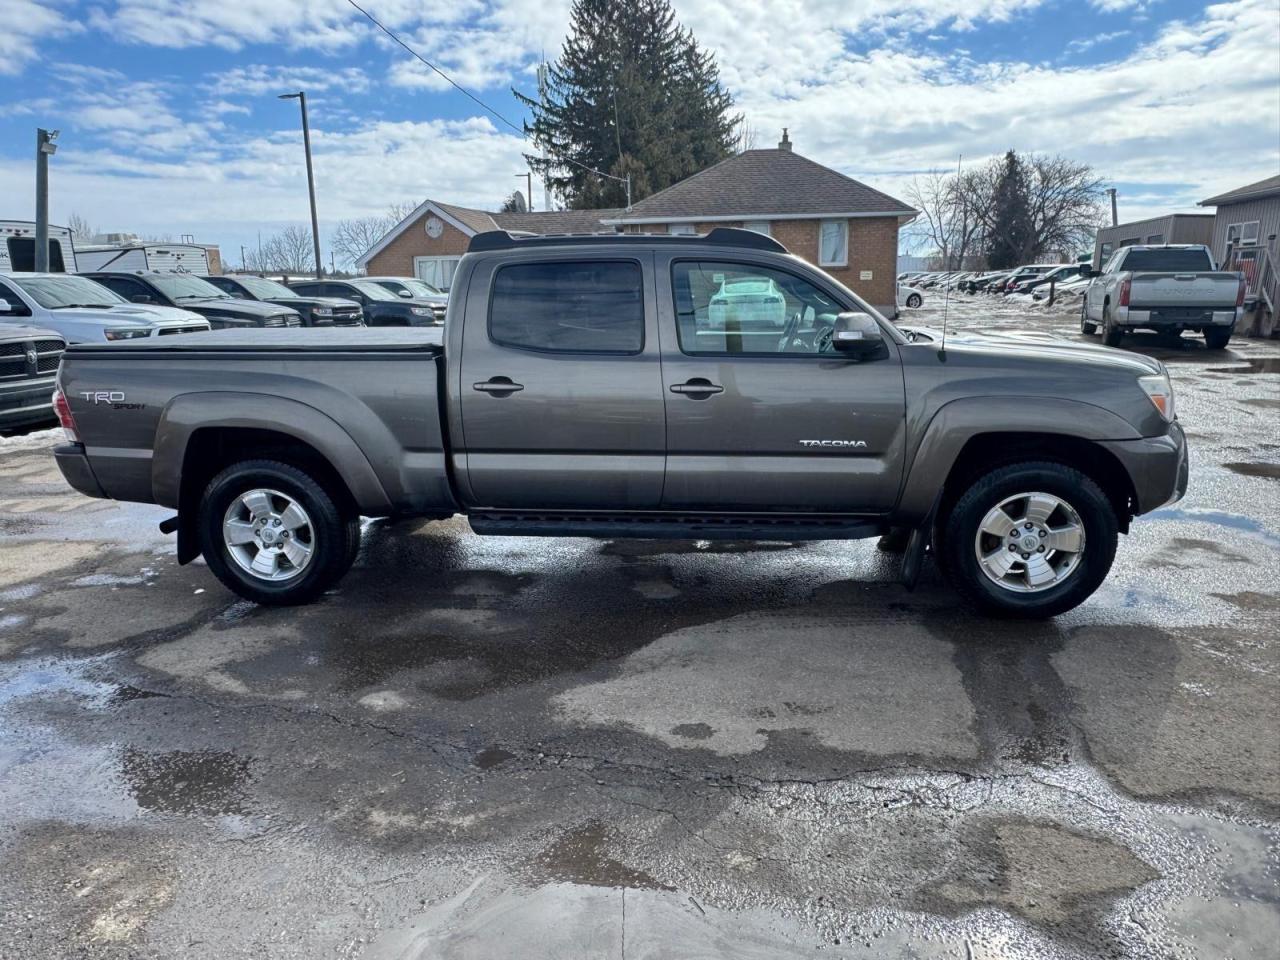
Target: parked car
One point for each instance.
(411, 288)
(747, 303)
(1057, 275)
(985, 281)
(1022, 273)
(222, 310)
(82, 311)
(1167, 288)
(563, 399)
(909, 296)
(29, 359)
(314, 311)
(382, 307)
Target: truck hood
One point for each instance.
(235, 307)
(331, 302)
(148, 313)
(1031, 344)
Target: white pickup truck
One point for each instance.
(1168, 289)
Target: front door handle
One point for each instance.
(699, 388)
(498, 386)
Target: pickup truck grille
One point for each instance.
(17, 363)
(346, 318)
(170, 331)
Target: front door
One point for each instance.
(562, 385)
(762, 414)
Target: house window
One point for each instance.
(682, 229)
(833, 243)
(756, 226)
(1156, 238)
(1130, 241)
(437, 271)
(1242, 233)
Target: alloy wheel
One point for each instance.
(1030, 542)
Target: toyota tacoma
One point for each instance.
(586, 387)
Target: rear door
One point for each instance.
(561, 383)
(762, 415)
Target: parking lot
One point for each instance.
(564, 748)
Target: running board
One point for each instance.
(654, 526)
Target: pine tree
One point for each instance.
(1010, 233)
(631, 94)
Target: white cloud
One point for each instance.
(24, 24)
(261, 79)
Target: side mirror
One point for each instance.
(140, 298)
(859, 337)
(1088, 272)
(6, 307)
(405, 293)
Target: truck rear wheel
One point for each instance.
(274, 534)
(1111, 334)
(1216, 338)
(1028, 540)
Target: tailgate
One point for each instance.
(1216, 290)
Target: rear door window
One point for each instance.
(569, 306)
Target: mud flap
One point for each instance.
(913, 556)
(188, 540)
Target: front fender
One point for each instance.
(959, 421)
(186, 414)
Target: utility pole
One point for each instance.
(1115, 220)
(45, 148)
(301, 97)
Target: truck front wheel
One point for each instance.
(1028, 540)
(274, 534)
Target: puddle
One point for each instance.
(1220, 518)
(1256, 365)
(1268, 471)
(202, 782)
(490, 757)
(44, 678)
(579, 857)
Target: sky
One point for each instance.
(170, 122)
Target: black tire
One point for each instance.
(958, 530)
(1216, 339)
(335, 532)
(1111, 334)
(914, 300)
(1087, 326)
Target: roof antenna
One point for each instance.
(946, 301)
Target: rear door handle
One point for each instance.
(498, 386)
(699, 388)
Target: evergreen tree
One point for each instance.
(632, 93)
(1010, 232)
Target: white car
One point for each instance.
(909, 296)
(748, 302)
(84, 311)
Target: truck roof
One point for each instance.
(719, 237)
(426, 340)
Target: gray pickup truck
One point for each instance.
(1167, 288)
(692, 387)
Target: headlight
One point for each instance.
(128, 333)
(322, 312)
(420, 311)
(1160, 391)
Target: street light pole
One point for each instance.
(301, 97)
(45, 148)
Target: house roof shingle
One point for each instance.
(1252, 191)
(763, 183)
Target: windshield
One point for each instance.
(374, 291)
(1168, 260)
(266, 289)
(178, 286)
(57, 293)
(420, 289)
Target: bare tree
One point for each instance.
(80, 229)
(1066, 206)
(288, 251)
(398, 211)
(352, 238)
(951, 215)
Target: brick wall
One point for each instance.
(396, 259)
(873, 245)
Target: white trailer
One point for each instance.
(145, 258)
(18, 248)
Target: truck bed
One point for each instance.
(426, 340)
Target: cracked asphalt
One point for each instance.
(483, 748)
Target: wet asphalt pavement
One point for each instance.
(483, 748)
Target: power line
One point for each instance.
(471, 96)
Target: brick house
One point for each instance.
(845, 227)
